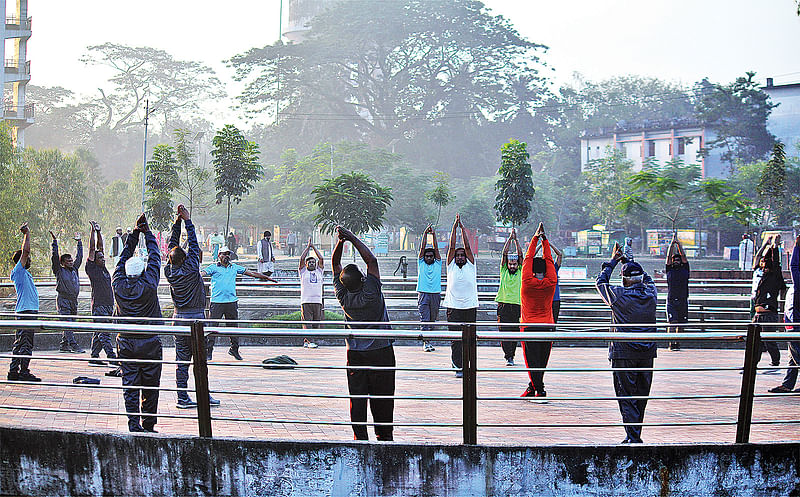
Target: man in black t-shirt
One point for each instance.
(102, 294)
(677, 288)
(361, 299)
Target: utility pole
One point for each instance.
(144, 161)
(280, 37)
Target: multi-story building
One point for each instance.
(16, 69)
(655, 140)
(784, 121)
(301, 12)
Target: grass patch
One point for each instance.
(295, 316)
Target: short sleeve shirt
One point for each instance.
(27, 295)
(366, 304)
(508, 292)
(223, 282)
(462, 286)
(678, 282)
(429, 276)
(311, 286)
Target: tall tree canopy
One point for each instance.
(393, 74)
(353, 200)
(236, 167)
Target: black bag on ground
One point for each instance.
(279, 362)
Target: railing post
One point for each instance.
(752, 352)
(201, 379)
(469, 384)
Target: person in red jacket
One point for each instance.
(536, 297)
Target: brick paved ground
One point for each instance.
(506, 382)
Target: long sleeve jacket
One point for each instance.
(793, 297)
(185, 281)
(536, 295)
(630, 305)
(68, 283)
(138, 297)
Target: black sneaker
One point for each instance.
(28, 377)
(13, 376)
(115, 372)
(65, 350)
(98, 363)
(76, 350)
(149, 429)
(780, 389)
(529, 392)
(212, 401)
(235, 353)
(137, 428)
(185, 404)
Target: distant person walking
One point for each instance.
(291, 242)
(117, 244)
(508, 294)
(677, 269)
(188, 297)
(429, 283)
(538, 286)
(102, 294)
(266, 256)
(233, 245)
(135, 285)
(27, 305)
(746, 249)
(628, 249)
(311, 271)
(791, 314)
(68, 286)
(632, 303)
(361, 299)
(216, 241)
(461, 296)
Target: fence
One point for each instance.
(470, 335)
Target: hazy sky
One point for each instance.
(679, 40)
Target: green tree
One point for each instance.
(193, 183)
(19, 198)
(738, 114)
(771, 187)
(606, 182)
(62, 189)
(440, 194)
(515, 187)
(236, 167)
(725, 202)
(161, 180)
(477, 213)
(669, 192)
(353, 200)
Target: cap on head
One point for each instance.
(513, 257)
(222, 250)
(632, 269)
(134, 267)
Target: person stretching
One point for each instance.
(102, 294)
(461, 296)
(28, 304)
(508, 294)
(68, 286)
(429, 283)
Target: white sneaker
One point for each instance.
(309, 345)
(427, 347)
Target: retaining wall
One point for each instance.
(60, 463)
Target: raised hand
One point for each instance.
(616, 254)
(513, 233)
(141, 224)
(310, 244)
(183, 213)
(24, 229)
(458, 219)
(53, 235)
(344, 233)
(77, 236)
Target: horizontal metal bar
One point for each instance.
(605, 370)
(96, 386)
(604, 425)
(336, 396)
(331, 423)
(632, 397)
(98, 413)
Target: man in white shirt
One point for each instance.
(745, 253)
(311, 272)
(461, 296)
(266, 258)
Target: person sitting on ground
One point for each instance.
(362, 300)
(461, 295)
(135, 285)
(632, 303)
(102, 294)
(224, 302)
(537, 287)
(429, 283)
(188, 296)
(677, 270)
(508, 294)
(68, 286)
(27, 307)
(311, 271)
(770, 288)
(791, 314)
(266, 256)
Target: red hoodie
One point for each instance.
(537, 295)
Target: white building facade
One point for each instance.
(301, 12)
(655, 140)
(16, 69)
(784, 121)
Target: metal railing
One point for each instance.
(471, 334)
(15, 22)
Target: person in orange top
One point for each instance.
(536, 297)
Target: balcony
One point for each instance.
(16, 23)
(19, 116)
(16, 70)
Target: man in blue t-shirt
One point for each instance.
(27, 303)
(224, 302)
(429, 283)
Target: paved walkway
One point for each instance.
(508, 381)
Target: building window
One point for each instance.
(651, 148)
(681, 146)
